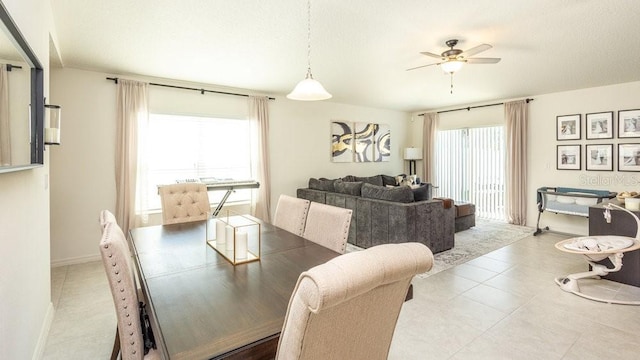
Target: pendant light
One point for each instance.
(309, 89)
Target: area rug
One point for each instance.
(479, 240)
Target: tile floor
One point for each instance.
(503, 305)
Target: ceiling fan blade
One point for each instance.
(421, 66)
(475, 50)
(431, 54)
(483, 60)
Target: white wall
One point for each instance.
(542, 144)
(82, 170)
(25, 292)
(542, 148)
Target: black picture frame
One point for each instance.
(568, 127)
(629, 124)
(599, 157)
(569, 157)
(599, 125)
(629, 157)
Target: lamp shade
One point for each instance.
(412, 153)
(451, 66)
(309, 89)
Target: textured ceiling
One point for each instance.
(360, 48)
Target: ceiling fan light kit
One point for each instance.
(309, 89)
(450, 67)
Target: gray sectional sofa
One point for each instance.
(384, 214)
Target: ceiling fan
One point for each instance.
(453, 59)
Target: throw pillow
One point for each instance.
(322, 184)
(374, 180)
(422, 192)
(349, 188)
(388, 180)
(401, 194)
(349, 178)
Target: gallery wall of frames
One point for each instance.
(612, 138)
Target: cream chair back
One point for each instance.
(348, 307)
(184, 202)
(328, 226)
(116, 259)
(291, 214)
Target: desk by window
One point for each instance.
(202, 306)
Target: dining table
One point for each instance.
(201, 306)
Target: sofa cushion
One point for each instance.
(422, 192)
(322, 184)
(347, 187)
(401, 194)
(374, 180)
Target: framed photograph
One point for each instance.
(599, 157)
(629, 123)
(628, 157)
(569, 157)
(568, 127)
(599, 125)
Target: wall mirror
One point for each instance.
(21, 100)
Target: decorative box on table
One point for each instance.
(234, 236)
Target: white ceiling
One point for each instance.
(360, 48)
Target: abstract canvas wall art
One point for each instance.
(364, 136)
(341, 141)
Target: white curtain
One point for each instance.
(132, 120)
(516, 118)
(429, 146)
(5, 129)
(259, 117)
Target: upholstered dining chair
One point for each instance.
(328, 226)
(184, 202)
(291, 214)
(116, 259)
(348, 307)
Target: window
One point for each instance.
(190, 147)
(470, 167)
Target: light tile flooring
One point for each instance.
(503, 305)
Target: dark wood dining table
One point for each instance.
(203, 307)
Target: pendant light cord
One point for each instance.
(309, 39)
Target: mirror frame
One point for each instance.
(36, 109)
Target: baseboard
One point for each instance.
(76, 260)
(44, 333)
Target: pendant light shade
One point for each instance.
(309, 89)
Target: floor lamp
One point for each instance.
(412, 154)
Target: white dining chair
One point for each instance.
(328, 226)
(184, 202)
(348, 307)
(291, 214)
(116, 258)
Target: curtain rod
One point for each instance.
(11, 67)
(473, 107)
(202, 91)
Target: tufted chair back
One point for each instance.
(348, 307)
(291, 214)
(184, 202)
(328, 226)
(116, 259)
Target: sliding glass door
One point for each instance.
(470, 167)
